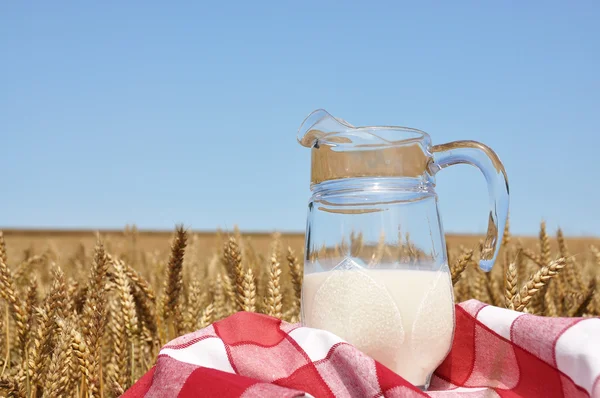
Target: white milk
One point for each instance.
(402, 318)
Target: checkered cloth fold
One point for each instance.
(496, 353)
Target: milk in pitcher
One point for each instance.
(402, 318)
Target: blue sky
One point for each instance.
(142, 112)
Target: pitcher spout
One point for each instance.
(320, 124)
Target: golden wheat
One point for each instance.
(248, 292)
(296, 274)
(58, 377)
(510, 286)
(537, 282)
(173, 285)
(233, 264)
(92, 324)
(460, 265)
(274, 299)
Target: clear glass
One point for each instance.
(375, 266)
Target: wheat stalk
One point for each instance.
(93, 320)
(585, 300)
(356, 243)
(81, 352)
(571, 274)
(233, 261)
(510, 286)
(479, 288)
(31, 301)
(230, 295)
(274, 298)
(117, 360)
(174, 283)
(296, 273)
(15, 305)
(549, 304)
(506, 238)
(544, 245)
(145, 311)
(146, 342)
(537, 282)
(3, 254)
(127, 303)
(129, 319)
(58, 379)
(461, 264)
(248, 292)
(379, 251)
(140, 282)
(220, 306)
(193, 305)
(79, 299)
(207, 316)
(24, 268)
(493, 288)
(117, 389)
(11, 386)
(65, 316)
(44, 341)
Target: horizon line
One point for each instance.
(159, 231)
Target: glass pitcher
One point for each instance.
(375, 267)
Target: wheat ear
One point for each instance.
(461, 264)
(174, 283)
(207, 316)
(141, 283)
(81, 352)
(31, 302)
(510, 285)
(296, 273)
(3, 254)
(506, 235)
(585, 302)
(93, 320)
(58, 379)
(249, 292)
(549, 304)
(117, 389)
(115, 326)
(233, 261)
(193, 305)
(494, 289)
(129, 319)
(145, 311)
(571, 273)
(537, 282)
(274, 298)
(220, 304)
(15, 305)
(379, 251)
(44, 341)
(356, 243)
(24, 268)
(544, 245)
(11, 386)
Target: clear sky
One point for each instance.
(158, 113)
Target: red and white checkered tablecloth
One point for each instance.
(496, 353)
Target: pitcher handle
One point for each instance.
(486, 160)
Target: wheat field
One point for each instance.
(84, 314)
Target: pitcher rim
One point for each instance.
(419, 135)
